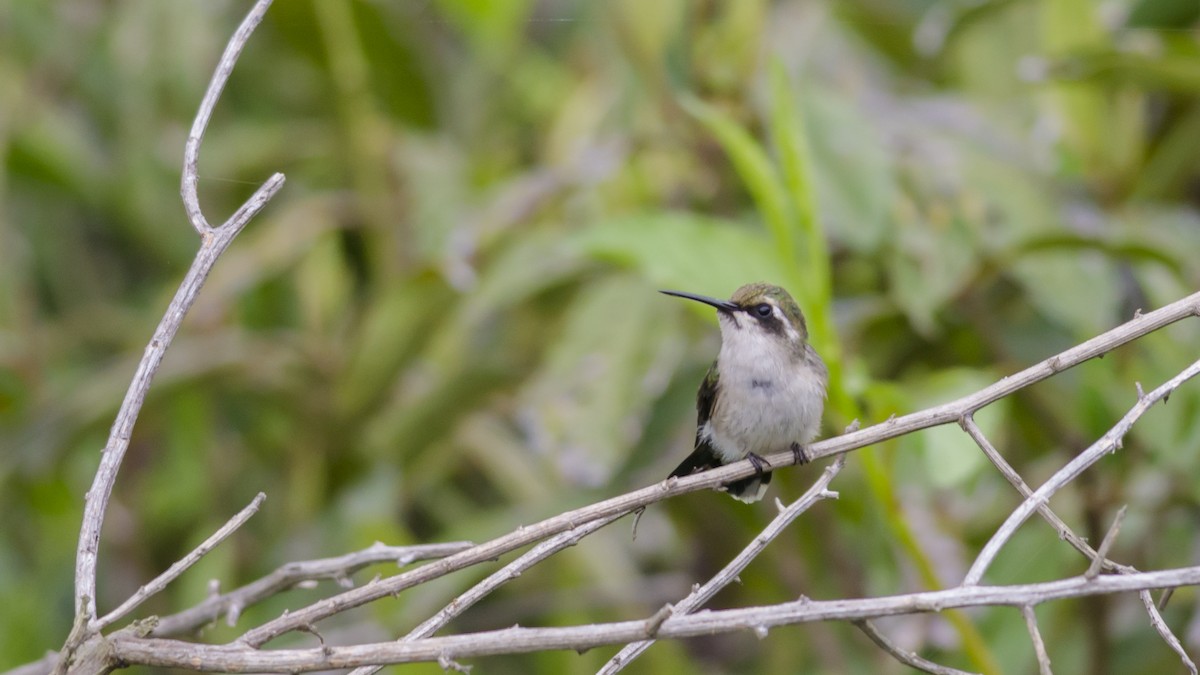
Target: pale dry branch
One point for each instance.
(160, 582)
(1164, 631)
(213, 243)
(1139, 326)
(903, 655)
(495, 580)
(130, 649)
(1109, 442)
(1035, 635)
(1110, 538)
(289, 575)
(189, 180)
(701, 595)
(504, 575)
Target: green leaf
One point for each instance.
(586, 407)
(753, 166)
(951, 457)
(685, 251)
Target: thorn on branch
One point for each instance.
(853, 426)
(1140, 391)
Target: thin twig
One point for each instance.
(1110, 537)
(188, 182)
(1039, 647)
(495, 580)
(1107, 443)
(701, 595)
(132, 650)
(504, 575)
(213, 243)
(160, 582)
(338, 568)
(1164, 631)
(903, 655)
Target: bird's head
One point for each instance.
(767, 310)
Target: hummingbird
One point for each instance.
(764, 393)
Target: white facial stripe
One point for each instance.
(787, 325)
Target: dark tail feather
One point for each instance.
(701, 459)
(747, 490)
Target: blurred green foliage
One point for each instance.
(445, 326)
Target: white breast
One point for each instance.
(768, 397)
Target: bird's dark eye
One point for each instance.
(763, 310)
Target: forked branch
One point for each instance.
(213, 243)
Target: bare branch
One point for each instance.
(1110, 537)
(903, 655)
(338, 568)
(1039, 647)
(954, 410)
(698, 597)
(160, 582)
(133, 650)
(1107, 443)
(1164, 631)
(213, 243)
(191, 150)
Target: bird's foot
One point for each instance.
(760, 464)
(800, 453)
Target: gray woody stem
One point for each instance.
(338, 568)
(129, 649)
(160, 582)
(213, 242)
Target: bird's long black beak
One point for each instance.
(723, 305)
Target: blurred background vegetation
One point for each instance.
(446, 325)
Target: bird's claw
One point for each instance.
(800, 453)
(760, 464)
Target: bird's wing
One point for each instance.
(702, 456)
